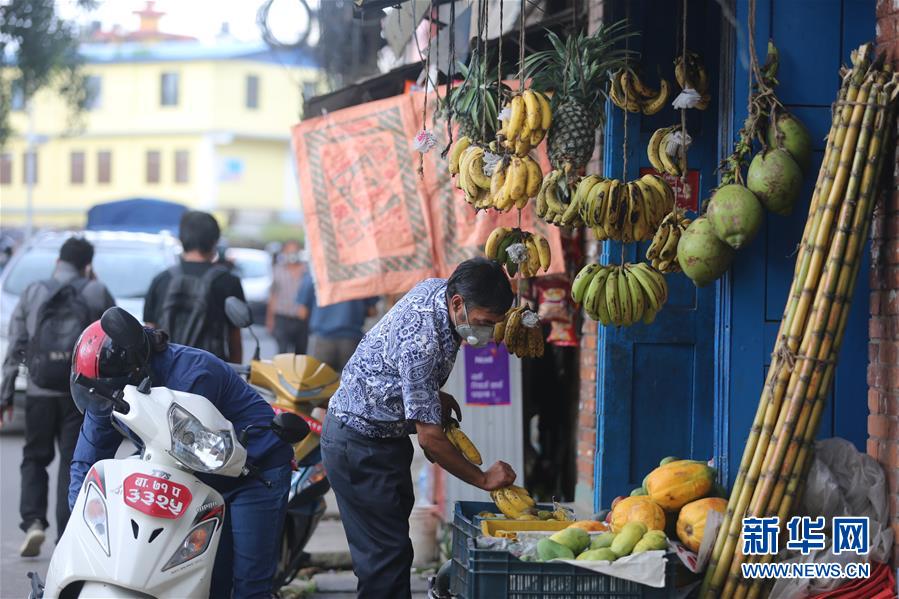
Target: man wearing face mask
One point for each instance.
(390, 389)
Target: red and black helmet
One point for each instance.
(106, 358)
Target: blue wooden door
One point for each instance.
(656, 383)
(814, 38)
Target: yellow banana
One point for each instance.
(546, 113)
(669, 250)
(612, 300)
(470, 187)
(499, 331)
(461, 441)
(614, 207)
(497, 180)
(504, 505)
(624, 298)
(652, 150)
(524, 495)
(533, 256)
(600, 306)
(543, 251)
(533, 115)
(658, 241)
(582, 282)
(519, 175)
(637, 298)
(670, 166)
(654, 104)
(513, 326)
(535, 176)
(595, 292)
(475, 166)
(655, 282)
(523, 146)
(456, 153)
(653, 299)
(519, 504)
(664, 193)
(516, 120)
(493, 241)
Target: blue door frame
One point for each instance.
(689, 384)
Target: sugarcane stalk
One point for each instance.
(757, 441)
(846, 264)
(770, 403)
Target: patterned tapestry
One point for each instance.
(373, 225)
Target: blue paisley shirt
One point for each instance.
(394, 377)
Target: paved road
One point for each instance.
(14, 569)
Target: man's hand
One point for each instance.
(499, 475)
(448, 406)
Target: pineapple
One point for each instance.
(468, 102)
(578, 71)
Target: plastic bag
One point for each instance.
(841, 482)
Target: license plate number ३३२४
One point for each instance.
(156, 497)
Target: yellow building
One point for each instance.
(205, 124)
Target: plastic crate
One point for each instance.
(494, 574)
(486, 574)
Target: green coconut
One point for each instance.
(736, 215)
(796, 139)
(701, 255)
(776, 180)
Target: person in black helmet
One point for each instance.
(248, 550)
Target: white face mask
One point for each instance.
(474, 335)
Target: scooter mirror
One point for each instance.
(290, 427)
(123, 328)
(238, 312)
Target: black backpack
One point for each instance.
(60, 320)
(185, 310)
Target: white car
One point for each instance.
(254, 268)
(125, 262)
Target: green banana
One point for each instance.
(582, 281)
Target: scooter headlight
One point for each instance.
(196, 446)
(193, 545)
(94, 514)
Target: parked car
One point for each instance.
(254, 268)
(125, 262)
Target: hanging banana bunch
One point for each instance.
(554, 202)
(527, 119)
(520, 251)
(492, 180)
(620, 295)
(692, 75)
(666, 152)
(629, 92)
(521, 332)
(662, 252)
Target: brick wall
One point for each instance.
(883, 330)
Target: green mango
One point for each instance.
(548, 550)
(603, 541)
(598, 555)
(576, 539)
(625, 541)
(639, 491)
(668, 460)
(651, 541)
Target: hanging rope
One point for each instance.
(521, 47)
(624, 140)
(483, 17)
(424, 108)
(450, 78)
(683, 111)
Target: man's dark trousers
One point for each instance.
(372, 482)
(48, 421)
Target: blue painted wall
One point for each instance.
(689, 384)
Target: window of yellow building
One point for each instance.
(104, 166)
(5, 169)
(29, 162)
(153, 166)
(168, 89)
(76, 168)
(182, 166)
(252, 99)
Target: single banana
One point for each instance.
(513, 324)
(582, 282)
(533, 256)
(637, 297)
(600, 305)
(593, 201)
(546, 113)
(639, 224)
(493, 241)
(535, 176)
(534, 118)
(468, 185)
(516, 120)
(653, 300)
(499, 331)
(614, 208)
(670, 166)
(669, 250)
(541, 199)
(658, 241)
(497, 180)
(461, 441)
(594, 292)
(624, 298)
(552, 199)
(543, 251)
(612, 301)
(631, 214)
(518, 173)
(456, 153)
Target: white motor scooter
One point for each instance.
(146, 526)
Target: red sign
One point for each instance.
(156, 497)
(686, 193)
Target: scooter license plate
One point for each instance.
(156, 497)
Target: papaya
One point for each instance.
(548, 550)
(598, 555)
(692, 518)
(591, 525)
(639, 508)
(625, 541)
(603, 541)
(676, 484)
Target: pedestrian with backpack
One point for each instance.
(44, 328)
(188, 300)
